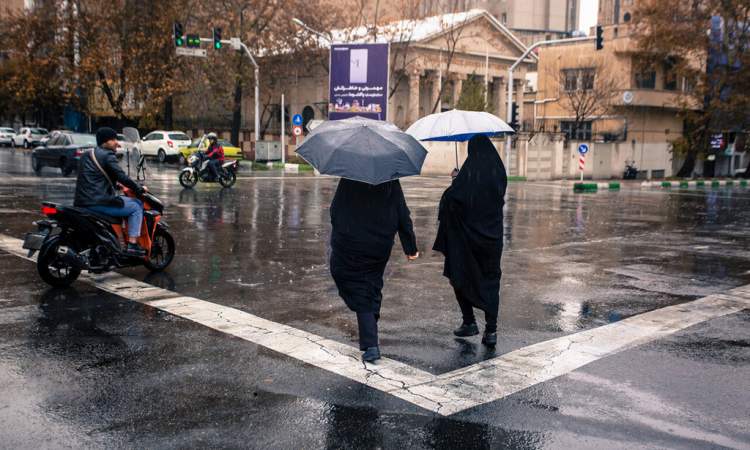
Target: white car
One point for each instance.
(29, 137)
(6, 135)
(163, 144)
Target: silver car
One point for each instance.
(6, 135)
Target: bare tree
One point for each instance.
(452, 35)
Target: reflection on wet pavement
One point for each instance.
(571, 262)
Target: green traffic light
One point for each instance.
(178, 42)
(217, 45)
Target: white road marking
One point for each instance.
(445, 394)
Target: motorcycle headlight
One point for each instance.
(192, 159)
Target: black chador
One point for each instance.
(470, 234)
(365, 220)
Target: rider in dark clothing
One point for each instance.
(216, 153)
(98, 173)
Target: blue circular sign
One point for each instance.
(583, 149)
(297, 119)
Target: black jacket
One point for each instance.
(93, 188)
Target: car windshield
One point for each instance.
(39, 131)
(179, 136)
(83, 139)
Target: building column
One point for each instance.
(412, 113)
(434, 93)
(458, 83)
(499, 94)
(520, 85)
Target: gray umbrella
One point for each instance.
(364, 150)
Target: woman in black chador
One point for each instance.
(365, 220)
(470, 235)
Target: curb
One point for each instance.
(694, 184)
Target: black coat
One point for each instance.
(93, 188)
(470, 232)
(365, 220)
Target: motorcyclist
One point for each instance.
(98, 172)
(216, 154)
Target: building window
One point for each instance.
(645, 80)
(578, 79)
(670, 77)
(570, 78)
(580, 133)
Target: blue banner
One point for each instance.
(358, 81)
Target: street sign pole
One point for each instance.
(283, 136)
(583, 149)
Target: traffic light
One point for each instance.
(599, 37)
(178, 39)
(217, 38)
(193, 41)
(514, 116)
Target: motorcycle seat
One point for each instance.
(86, 212)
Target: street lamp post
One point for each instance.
(510, 83)
(302, 24)
(237, 44)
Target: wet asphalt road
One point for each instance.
(83, 368)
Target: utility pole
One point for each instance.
(283, 135)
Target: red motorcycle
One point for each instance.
(75, 239)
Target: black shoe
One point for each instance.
(489, 339)
(371, 354)
(466, 330)
(135, 250)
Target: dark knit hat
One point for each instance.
(104, 134)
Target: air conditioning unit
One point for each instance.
(268, 151)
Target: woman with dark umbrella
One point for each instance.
(365, 220)
(470, 235)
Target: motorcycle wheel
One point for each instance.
(228, 179)
(53, 270)
(187, 180)
(162, 251)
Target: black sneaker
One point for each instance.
(371, 354)
(466, 330)
(135, 250)
(489, 339)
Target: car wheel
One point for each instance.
(65, 168)
(12, 143)
(36, 165)
(161, 156)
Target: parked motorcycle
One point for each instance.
(631, 172)
(75, 239)
(197, 170)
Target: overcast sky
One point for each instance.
(589, 9)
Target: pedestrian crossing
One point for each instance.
(444, 394)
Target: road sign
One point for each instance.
(297, 130)
(297, 119)
(583, 149)
(182, 51)
(235, 43)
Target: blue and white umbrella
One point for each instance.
(458, 126)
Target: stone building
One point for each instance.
(419, 68)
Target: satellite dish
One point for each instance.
(627, 97)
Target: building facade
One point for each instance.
(10, 7)
(638, 111)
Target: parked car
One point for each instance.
(62, 151)
(29, 137)
(6, 135)
(163, 144)
(201, 144)
(125, 145)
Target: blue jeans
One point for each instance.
(132, 209)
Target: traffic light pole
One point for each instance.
(508, 140)
(239, 45)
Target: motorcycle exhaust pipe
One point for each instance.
(71, 257)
